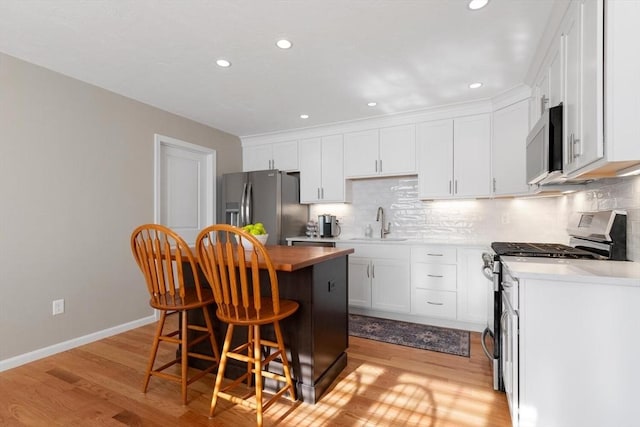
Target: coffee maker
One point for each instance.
(328, 226)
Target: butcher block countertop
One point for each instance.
(291, 258)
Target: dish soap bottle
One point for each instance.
(368, 232)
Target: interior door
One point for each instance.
(185, 190)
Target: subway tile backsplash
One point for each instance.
(481, 221)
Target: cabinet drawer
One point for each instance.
(433, 254)
(440, 277)
(434, 303)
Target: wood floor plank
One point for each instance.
(99, 384)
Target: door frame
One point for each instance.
(210, 162)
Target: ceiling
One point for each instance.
(406, 55)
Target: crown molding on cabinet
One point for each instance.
(435, 113)
(552, 28)
(511, 97)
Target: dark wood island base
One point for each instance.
(316, 336)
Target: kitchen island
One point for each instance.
(316, 335)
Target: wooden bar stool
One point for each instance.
(233, 272)
(165, 259)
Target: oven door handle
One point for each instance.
(486, 332)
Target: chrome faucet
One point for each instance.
(380, 218)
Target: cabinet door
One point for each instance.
(332, 189)
(390, 286)
(510, 129)
(285, 156)
(311, 170)
(434, 144)
(398, 150)
(555, 78)
(572, 107)
(359, 282)
(544, 94)
(361, 154)
(472, 156)
(591, 94)
(473, 287)
(257, 157)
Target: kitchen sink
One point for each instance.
(378, 239)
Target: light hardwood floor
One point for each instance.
(383, 385)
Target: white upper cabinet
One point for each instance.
(454, 158)
(508, 149)
(321, 170)
(472, 156)
(279, 155)
(385, 152)
(555, 79)
(548, 87)
(601, 65)
(398, 150)
(574, 144)
(435, 159)
(361, 153)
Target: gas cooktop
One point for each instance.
(548, 250)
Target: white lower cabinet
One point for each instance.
(472, 287)
(430, 284)
(574, 352)
(447, 284)
(389, 284)
(379, 277)
(433, 281)
(431, 303)
(359, 282)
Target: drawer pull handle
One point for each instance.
(434, 254)
(435, 303)
(434, 275)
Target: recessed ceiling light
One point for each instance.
(284, 44)
(372, 104)
(477, 4)
(304, 116)
(223, 63)
(475, 85)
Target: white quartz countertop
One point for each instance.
(575, 270)
(391, 240)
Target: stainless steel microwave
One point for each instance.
(544, 148)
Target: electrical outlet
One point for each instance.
(58, 306)
(506, 218)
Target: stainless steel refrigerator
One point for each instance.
(271, 197)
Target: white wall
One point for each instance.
(76, 177)
(484, 220)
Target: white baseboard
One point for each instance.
(75, 342)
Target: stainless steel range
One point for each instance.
(594, 235)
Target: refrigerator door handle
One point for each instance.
(243, 202)
(249, 204)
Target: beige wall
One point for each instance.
(76, 176)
